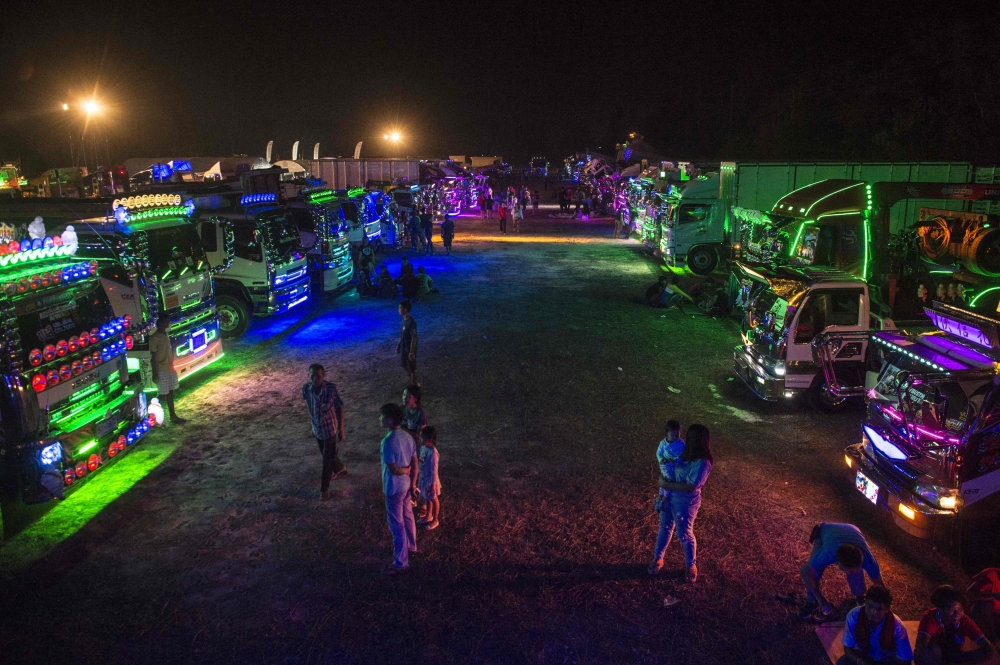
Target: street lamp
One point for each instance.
(91, 107)
(394, 137)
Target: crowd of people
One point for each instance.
(512, 204)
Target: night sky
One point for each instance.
(705, 81)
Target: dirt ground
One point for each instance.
(548, 383)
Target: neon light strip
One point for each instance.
(864, 266)
(816, 202)
(798, 236)
(94, 415)
(979, 295)
(86, 404)
(211, 348)
(89, 446)
(37, 254)
(198, 369)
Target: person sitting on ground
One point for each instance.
(674, 296)
(655, 291)
(426, 286)
(944, 628)
(408, 282)
(845, 546)
(873, 634)
(984, 593)
(386, 286)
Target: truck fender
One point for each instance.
(232, 287)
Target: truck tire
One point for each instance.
(234, 316)
(821, 400)
(702, 260)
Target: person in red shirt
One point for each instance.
(944, 628)
(984, 594)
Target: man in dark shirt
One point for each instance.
(427, 220)
(447, 233)
(407, 345)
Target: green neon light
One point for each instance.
(198, 369)
(981, 294)
(186, 268)
(167, 274)
(941, 272)
(798, 236)
(86, 391)
(37, 255)
(95, 414)
(357, 191)
(86, 447)
(132, 364)
(322, 196)
(844, 189)
(159, 213)
(868, 237)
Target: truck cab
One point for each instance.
(929, 451)
(68, 407)
(791, 307)
(268, 273)
(323, 233)
(361, 222)
(695, 231)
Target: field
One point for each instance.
(548, 383)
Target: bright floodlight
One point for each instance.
(395, 136)
(385, 136)
(91, 107)
(65, 107)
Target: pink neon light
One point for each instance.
(891, 412)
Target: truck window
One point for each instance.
(694, 213)
(175, 250)
(834, 307)
(304, 219)
(209, 239)
(247, 243)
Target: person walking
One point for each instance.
(481, 200)
(447, 233)
(502, 214)
(518, 216)
(326, 413)
(416, 230)
(400, 474)
(690, 474)
(407, 345)
(534, 204)
(161, 353)
(845, 546)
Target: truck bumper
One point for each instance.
(915, 516)
(285, 298)
(757, 379)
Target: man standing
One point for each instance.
(427, 220)
(447, 233)
(399, 479)
(843, 545)
(407, 345)
(161, 353)
(326, 411)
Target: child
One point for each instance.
(414, 418)
(428, 483)
(668, 452)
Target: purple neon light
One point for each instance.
(959, 328)
(957, 350)
(888, 449)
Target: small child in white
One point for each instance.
(668, 452)
(428, 483)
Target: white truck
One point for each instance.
(701, 229)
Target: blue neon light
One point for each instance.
(181, 165)
(50, 454)
(884, 447)
(162, 171)
(247, 199)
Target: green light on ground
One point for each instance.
(69, 516)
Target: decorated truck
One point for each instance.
(323, 233)
(169, 274)
(930, 446)
(845, 230)
(255, 245)
(68, 406)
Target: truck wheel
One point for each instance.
(820, 398)
(234, 316)
(702, 260)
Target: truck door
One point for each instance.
(825, 310)
(693, 227)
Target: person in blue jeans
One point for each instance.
(399, 479)
(679, 513)
(842, 545)
(673, 295)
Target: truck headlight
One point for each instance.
(943, 497)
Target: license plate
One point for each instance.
(172, 302)
(867, 487)
(106, 426)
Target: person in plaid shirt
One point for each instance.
(326, 410)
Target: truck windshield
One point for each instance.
(350, 209)
(175, 251)
(285, 241)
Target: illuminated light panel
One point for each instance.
(33, 255)
(885, 447)
(914, 356)
(907, 512)
(248, 199)
(90, 445)
(198, 369)
(847, 459)
(965, 330)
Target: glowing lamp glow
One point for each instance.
(847, 460)
(69, 476)
(81, 469)
(39, 383)
(948, 502)
(885, 447)
(93, 462)
(156, 411)
(906, 511)
(249, 199)
(50, 454)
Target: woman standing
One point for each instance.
(680, 510)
